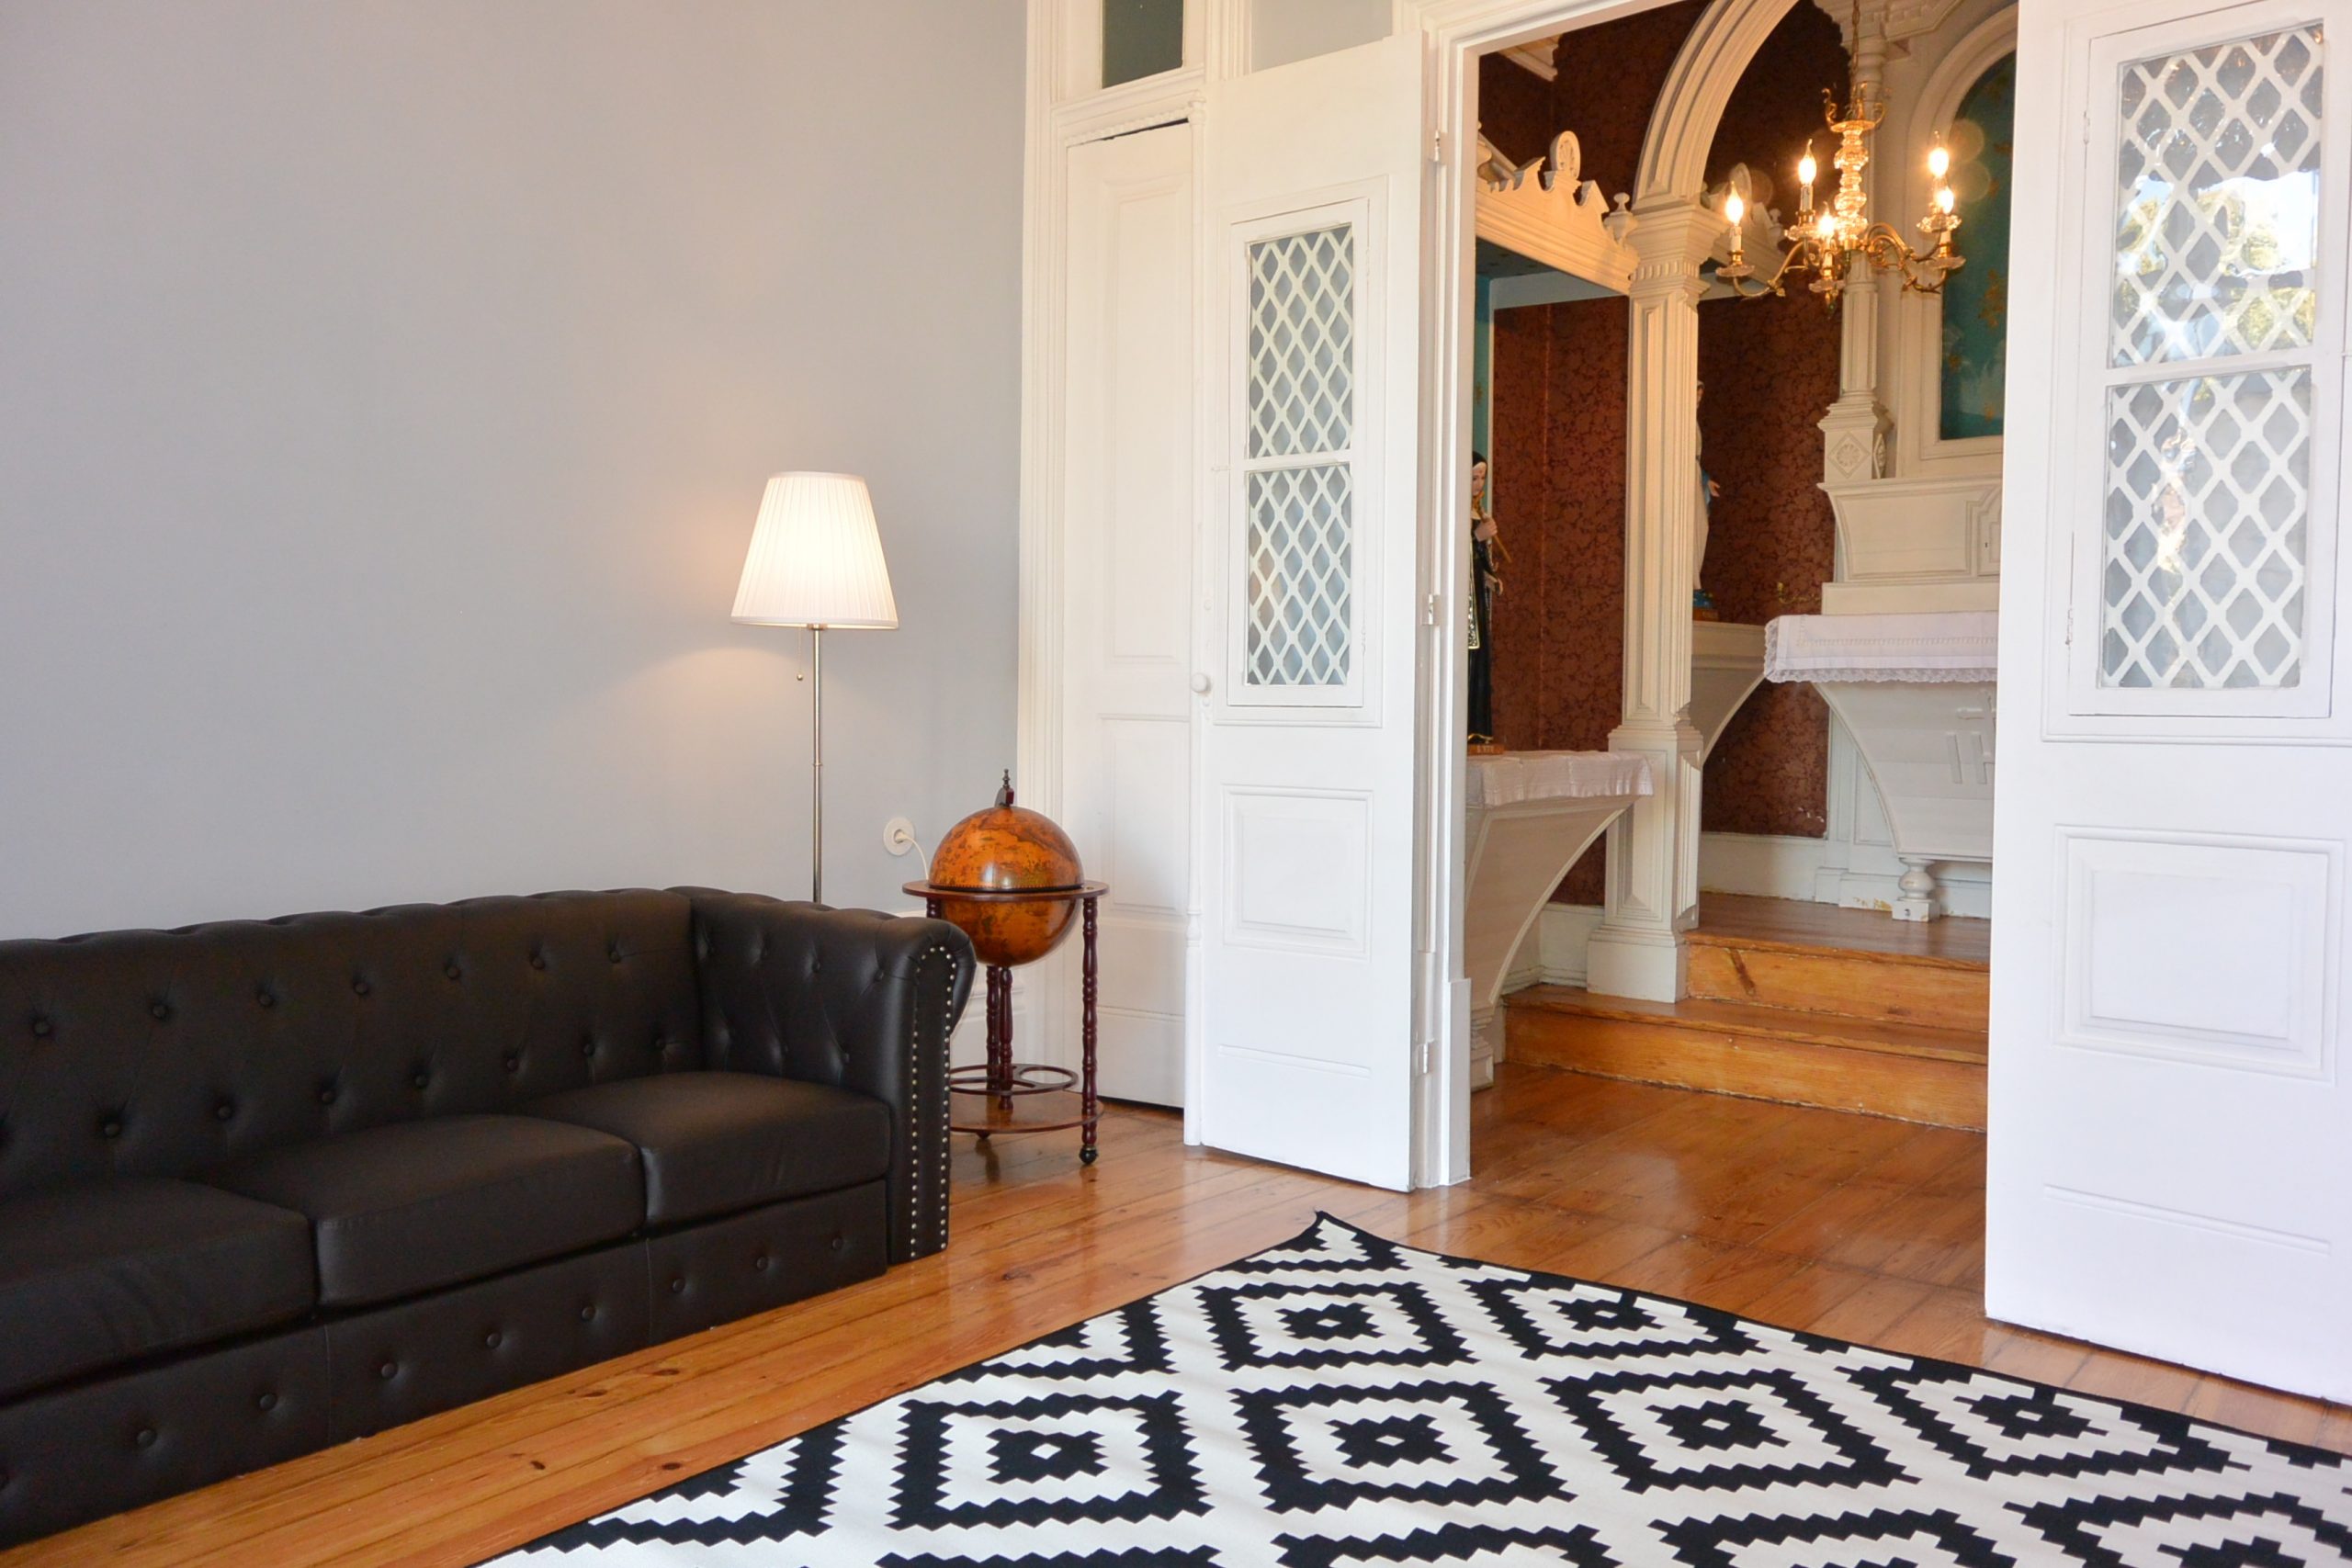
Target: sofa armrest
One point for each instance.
(849, 998)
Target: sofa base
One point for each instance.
(78, 1453)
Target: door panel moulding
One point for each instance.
(1658, 877)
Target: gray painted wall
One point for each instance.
(386, 390)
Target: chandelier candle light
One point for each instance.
(1826, 240)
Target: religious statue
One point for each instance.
(1487, 556)
(1703, 603)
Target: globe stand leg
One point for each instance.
(1090, 1104)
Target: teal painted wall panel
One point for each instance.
(1976, 298)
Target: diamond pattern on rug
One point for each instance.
(1329, 1323)
(1127, 1340)
(1342, 1400)
(1326, 1446)
(1597, 1323)
(1992, 1426)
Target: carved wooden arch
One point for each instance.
(1690, 106)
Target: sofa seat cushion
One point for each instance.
(715, 1143)
(414, 1206)
(105, 1271)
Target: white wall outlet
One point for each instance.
(898, 835)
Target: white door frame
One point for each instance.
(1653, 872)
(1672, 166)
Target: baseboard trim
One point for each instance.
(1555, 952)
(1773, 866)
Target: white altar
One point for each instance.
(1916, 692)
(1530, 815)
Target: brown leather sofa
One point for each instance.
(270, 1186)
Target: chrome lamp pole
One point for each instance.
(816, 562)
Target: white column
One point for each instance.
(1853, 432)
(1653, 851)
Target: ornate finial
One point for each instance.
(1004, 790)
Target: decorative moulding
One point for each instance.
(1896, 19)
(1918, 531)
(1546, 212)
(1535, 57)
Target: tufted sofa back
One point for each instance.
(159, 1053)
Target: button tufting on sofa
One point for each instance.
(284, 1257)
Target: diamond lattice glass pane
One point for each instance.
(2217, 199)
(1302, 568)
(2208, 522)
(1302, 343)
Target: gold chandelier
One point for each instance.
(1824, 242)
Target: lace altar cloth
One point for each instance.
(1508, 778)
(1940, 645)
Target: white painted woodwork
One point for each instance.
(1548, 212)
(1726, 666)
(1654, 859)
(1518, 850)
(2172, 1128)
(1127, 600)
(1925, 85)
(1282, 32)
(1938, 530)
(1928, 746)
(1302, 1044)
(1652, 880)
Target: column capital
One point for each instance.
(1672, 238)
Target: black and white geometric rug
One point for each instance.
(1341, 1400)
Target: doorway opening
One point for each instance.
(1681, 868)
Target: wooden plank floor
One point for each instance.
(1850, 1226)
(1796, 922)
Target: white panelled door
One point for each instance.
(1303, 1038)
(1127, 591)
(2171, 1156)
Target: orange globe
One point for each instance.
(1007, 848)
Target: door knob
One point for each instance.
(1201, 683)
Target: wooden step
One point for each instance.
(1854, 964)
(1911, 1071)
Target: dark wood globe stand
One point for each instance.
(1000, 1077)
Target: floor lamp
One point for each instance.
(816, 562)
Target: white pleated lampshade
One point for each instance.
(816, 557)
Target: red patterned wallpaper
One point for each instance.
(1770, 371)
(1610, 79)
(1514, 107)
(1559, 436)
